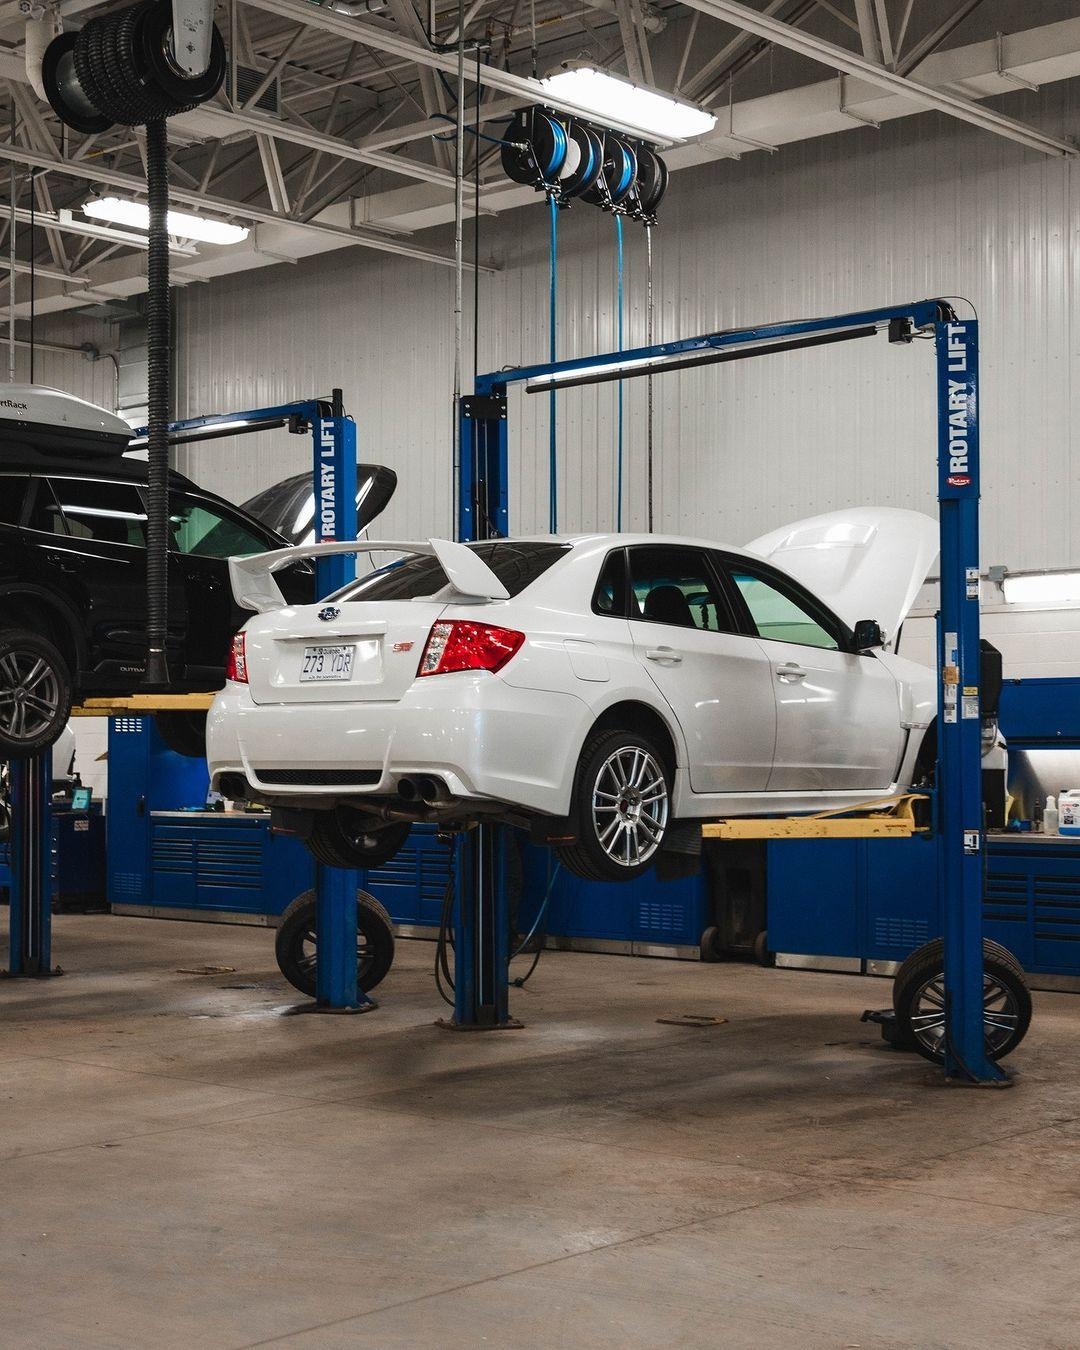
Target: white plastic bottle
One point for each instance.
(1069, 811)
(1050, 816)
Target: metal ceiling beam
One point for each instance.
(408, 22)
(366, 238)
(881, 14)
(521, 87)
(638, 61)
(418, 131)
(726, 56)
(936, 37)
(849, 63)
(209, 122)
(868, 36)
(275, 179)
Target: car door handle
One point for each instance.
(665, 655)
(790, 671)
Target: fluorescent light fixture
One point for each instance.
(217, 428)
(136, 215)
(1042, 588)
(684, 358)
(632, 105)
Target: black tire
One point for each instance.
(345, 838)
(763, 955)
(709, 946)
(295, 943)
(640, 819)
(35, 693)
(935, 948)
(183, 732)
(919, 1001)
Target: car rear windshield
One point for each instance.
(516, 565)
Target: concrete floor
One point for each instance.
(183, 1166)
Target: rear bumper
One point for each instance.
(482, 738)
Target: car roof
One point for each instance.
(597, 542)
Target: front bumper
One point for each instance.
(482, 738)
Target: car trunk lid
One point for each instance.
(338, 653)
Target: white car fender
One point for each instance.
(917, 685)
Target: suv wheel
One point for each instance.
(35, 694)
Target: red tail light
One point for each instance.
(236, 665)
(457, 644)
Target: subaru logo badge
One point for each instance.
(328, 613)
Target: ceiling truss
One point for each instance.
(335, 128)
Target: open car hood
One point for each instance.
(865, 563)
(288, 507)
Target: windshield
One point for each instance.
(517, 565)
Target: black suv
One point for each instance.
(73, 585)
(73, 567)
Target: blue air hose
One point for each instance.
(553, 486)
(619, 335)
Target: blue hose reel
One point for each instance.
(568, 158)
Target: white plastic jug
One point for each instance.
(1069, 811)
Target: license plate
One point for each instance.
(327, 663)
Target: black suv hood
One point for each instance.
(289, 506)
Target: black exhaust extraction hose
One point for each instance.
(158, 404)
(121, 68)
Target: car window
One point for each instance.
(778, 616)
(12, 496)
(674, 585)
(517, 565)
(92, 509)
(610, 594)
(198, 528)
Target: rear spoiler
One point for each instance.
(254, 587)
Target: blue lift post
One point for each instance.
(335, 888)
(484, 439)
(30, 904)
(334, 482)
(481, 911)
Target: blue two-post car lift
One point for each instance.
(482, 984)
(333, 437)
(482, 921)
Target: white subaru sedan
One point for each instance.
(596, 688)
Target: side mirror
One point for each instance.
(868, 635)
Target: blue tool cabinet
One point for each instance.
(78, 858)
(1032, 901)
(877, 900)
(645, 911)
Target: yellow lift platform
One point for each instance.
(133, 705)
(885, 818)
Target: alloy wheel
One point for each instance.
(306, 959)
(1001, 1015)
(630, 806)
(29, 695)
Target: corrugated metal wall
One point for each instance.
(73, 371)
(922, 207)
